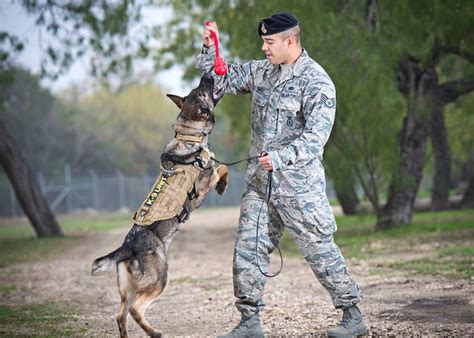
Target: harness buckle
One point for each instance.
(203, 159)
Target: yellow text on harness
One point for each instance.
(156, 190)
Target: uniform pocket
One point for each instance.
(290, 117)
(337, 276)
(324, 219)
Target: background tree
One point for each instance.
(422, 35)
(75, 27)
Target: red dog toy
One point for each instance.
(219, 64)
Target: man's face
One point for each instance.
(276, 48)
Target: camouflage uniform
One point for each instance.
(292, 118)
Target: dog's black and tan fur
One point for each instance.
(141, 261)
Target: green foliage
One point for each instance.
(29, 115)
(103, 130)
(460, 123)
(100, 26)
(131, 126)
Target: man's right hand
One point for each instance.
(206, 34)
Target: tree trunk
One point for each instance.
(406, 181)
(442, 157)
(24, 183)
(468, 198)
(417, 85)
(348, 199)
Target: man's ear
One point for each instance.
(178, 100)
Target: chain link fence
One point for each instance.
(89, 191)
(77, 192)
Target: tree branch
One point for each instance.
(450, 91)
(439, 50)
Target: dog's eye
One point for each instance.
(206, 111)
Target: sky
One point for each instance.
(14, 19)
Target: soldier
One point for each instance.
(293, 110)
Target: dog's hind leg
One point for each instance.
(138, 312)
(127, 297)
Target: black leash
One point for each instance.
(236, 162)
(269, 189)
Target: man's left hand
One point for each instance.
(266, 162)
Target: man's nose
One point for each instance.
(264, 47)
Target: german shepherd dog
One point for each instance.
(141, 261)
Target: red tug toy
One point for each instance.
(219, 64)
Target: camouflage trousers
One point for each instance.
(310, 221)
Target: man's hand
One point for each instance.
(206, 34)
(266, 161)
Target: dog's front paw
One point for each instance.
(223, 174)
(221, 186)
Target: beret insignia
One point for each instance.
(277, 23)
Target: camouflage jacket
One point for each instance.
(292, 118)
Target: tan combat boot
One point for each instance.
(351, 325)
(248, 327)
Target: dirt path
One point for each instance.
(199, 299)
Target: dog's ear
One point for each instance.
(178, 100)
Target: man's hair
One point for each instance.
(294, 31)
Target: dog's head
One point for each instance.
(200, 103)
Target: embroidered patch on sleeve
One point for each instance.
(328, 102)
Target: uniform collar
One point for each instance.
(298, 68)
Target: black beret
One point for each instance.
(277, 23)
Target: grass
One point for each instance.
(357, 239)
(453, 262)
(18, 242)
(37, 320)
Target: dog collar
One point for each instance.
(190, 138)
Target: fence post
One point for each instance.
(41, 182)
(95, 189)
(67, 183)
(121, 189)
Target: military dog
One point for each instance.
(141, 261)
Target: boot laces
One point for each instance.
(242, 326)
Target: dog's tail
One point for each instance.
(105, 263)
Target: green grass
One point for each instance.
(37, 320)
(357, 238)
(454, 262)
(18, 242)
